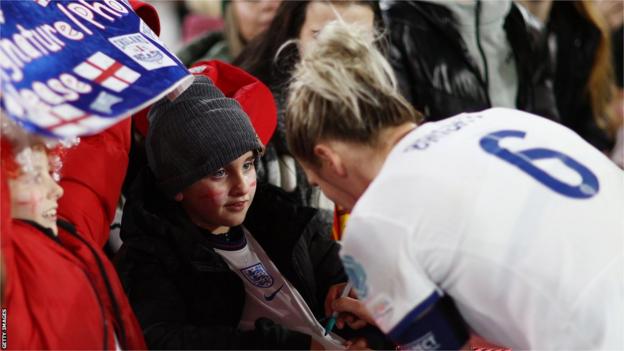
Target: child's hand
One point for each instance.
(357, 344)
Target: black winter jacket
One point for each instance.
(184, 294)
(436, 73)
(577, 41)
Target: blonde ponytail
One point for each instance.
(343, 88)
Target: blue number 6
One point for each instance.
(524, 160)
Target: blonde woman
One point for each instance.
(499, 221)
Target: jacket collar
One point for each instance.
(516, 28)
(149, 214)
(274, 221)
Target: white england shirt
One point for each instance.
(269, 294)
(515, 217)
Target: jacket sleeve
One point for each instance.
(328, 269)
(91, 177)
(274, 214)
(160, 306)
(543, 76)
(535, 61)
(398, 58)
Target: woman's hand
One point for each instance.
(351, 311)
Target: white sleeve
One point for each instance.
(386, 276)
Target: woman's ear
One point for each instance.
(178, 197)
(329, 157)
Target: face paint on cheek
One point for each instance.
(214, 196)
(35, 200)
(31, 202)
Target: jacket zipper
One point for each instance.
(102, 312)
(486, 74)
(109, 290)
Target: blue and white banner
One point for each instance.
(70, 68)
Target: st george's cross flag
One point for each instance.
(71, 68)
(103, 70)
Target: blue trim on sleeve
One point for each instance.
(407, 321)
(441, 327)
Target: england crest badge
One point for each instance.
(142, 51)
(258, 275)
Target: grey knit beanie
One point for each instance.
(195, 135)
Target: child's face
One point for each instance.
(221, 200)
(35, 194)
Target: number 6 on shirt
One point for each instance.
(524, 160)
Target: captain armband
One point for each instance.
(439, 327)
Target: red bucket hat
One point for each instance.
(147, 13)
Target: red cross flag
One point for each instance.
(107, 72)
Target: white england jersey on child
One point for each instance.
(270, 295)
(515, 217)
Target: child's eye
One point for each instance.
(248, 165)
(218, 173)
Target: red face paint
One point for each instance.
(34, 194)
(221, 200)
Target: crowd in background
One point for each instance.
(579, 52)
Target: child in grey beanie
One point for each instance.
(196, 276)
(196, 134)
